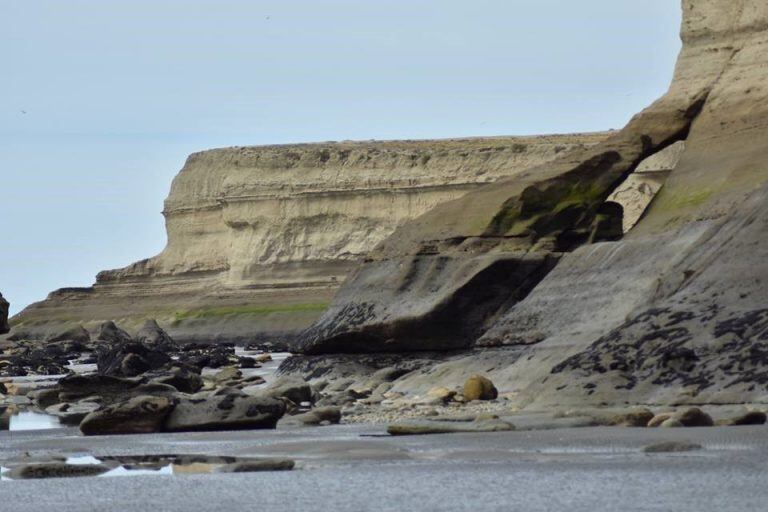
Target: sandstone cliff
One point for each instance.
(673, 312)
(259, 238)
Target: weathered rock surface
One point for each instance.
(318, 415)
(672, 447)
(673, 312)
(129, 359)
(55, 470)
(259, 238)
(139, 415)
(422, 427)
(227, 411)
(251, 466)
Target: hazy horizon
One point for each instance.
(103, 102)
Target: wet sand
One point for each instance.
(356, 467)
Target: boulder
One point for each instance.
(442, 394)
(227, 374)
(152, 336)
(634, 418)
(133, 364)
(77, 333)
(294, 389)
(181, 377)
(694, 417)
(247, 362)
(660, 418)
(208, 356)
(129, 359)
(748, 418)
(139, 415)
(112, 334)
(251, 466)
(4, 306)
(317, 416)
(478, 387)
(229, 411)
(671, 423)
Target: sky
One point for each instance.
(101, 101)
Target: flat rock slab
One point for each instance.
(55, 470)
(672, 446)
(410, 428)
(251, 466)
(224, 412)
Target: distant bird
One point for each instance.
(23, 111)
(268, 17)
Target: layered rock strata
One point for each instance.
(674, 312)
(259, 238)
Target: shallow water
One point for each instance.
(575, 470)
(133, 465)
(30, 420)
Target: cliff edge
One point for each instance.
(536, 270)
(259, 238)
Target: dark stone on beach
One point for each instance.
(317, 416)
(55, 470)
(133, 364)
(208, 356)
(748, 418)
(13, 370)
(250, 466)
(672, 447)
(4, 306)
(228, 411)
(112, 334)
(76, 333)
(129, 359)
(247, 362)
(152, 336)
(694, 417)
(181, 377)
(139, 415)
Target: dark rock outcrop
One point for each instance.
(4, 305)
(155, 338)
(129, 359)
(77, 333)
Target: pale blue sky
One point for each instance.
(101, 101)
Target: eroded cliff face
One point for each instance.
(259, 238)
(674, 312)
